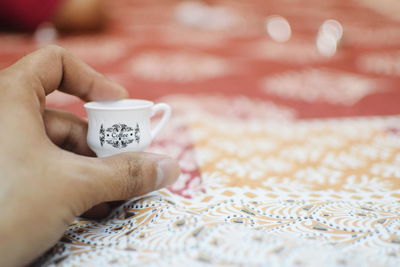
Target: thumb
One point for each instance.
(126, 175)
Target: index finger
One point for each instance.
(55, 68)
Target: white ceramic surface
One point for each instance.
(123, 125)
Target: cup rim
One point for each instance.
(102, 105)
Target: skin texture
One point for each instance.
(47, 174)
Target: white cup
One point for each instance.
(123, 125)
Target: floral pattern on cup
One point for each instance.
(119, 135)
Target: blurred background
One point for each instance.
(329, 58)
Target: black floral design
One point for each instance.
(102, 135)
(137, 133)
(119, 135)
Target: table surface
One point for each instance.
(284, 151)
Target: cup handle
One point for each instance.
(166, 109)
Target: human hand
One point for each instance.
(47, 176)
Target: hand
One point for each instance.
(46, 175)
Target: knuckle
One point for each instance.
(54, 52)
(75, 120)
(54, 49)
(138, 173)
(133, 169)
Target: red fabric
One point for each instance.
(26, 14)
(137, 28)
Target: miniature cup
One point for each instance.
(123, 125)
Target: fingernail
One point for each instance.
(118, 92)
(122, 92)
(115, 90)
(112, 93)
(167, 172)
